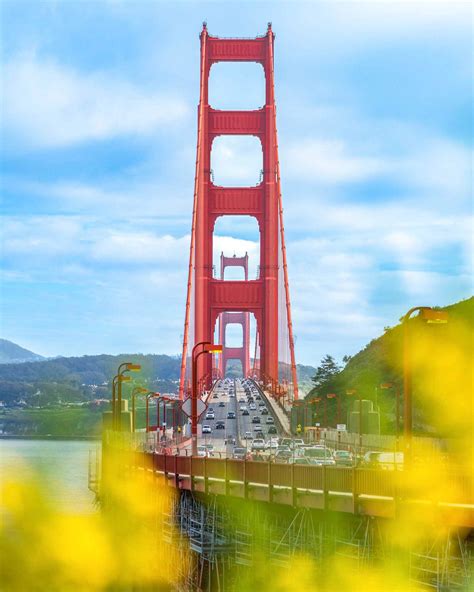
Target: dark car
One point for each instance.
(222, 404)
(343, 458)
(283, 455)
(272, 430)
(264, 411)
(239, 453)
(256, 419)
(230, 415)
(220, 425)
(245, 412)
(370, 459)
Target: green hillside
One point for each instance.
(81, 378)
(444, 362)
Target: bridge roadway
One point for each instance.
(227, 397)
(356, 490)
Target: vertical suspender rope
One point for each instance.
(193, 224)
(283, 246)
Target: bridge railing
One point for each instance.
(453, 489)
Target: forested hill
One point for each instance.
(444, 357)
(82, 378)
(88, 377)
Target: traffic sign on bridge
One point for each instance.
(186, 407)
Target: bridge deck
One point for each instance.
(354, 490)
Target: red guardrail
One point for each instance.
(356, 481)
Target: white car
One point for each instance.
(253, 407)
(202, 451)
(210, 415)
(206, 429)
(248, 436)
(271, 444)
(258, 444)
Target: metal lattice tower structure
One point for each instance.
(266, 297)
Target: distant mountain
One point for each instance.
(11, 353)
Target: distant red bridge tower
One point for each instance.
(235, 318)
(267, 296)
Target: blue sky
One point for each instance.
(98, 147)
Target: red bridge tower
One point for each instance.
(214, 297)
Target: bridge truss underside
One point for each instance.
(233, 547)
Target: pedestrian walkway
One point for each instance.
(278, 412)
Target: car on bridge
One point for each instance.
(272, 430)
(258, 430)
(245, 411)
(210, 415)
(239, 453)
(283, 454)
(253, 407)
(222, 404)
(220, 425)
(248, 436)
(206, 429)
(210, 449)
(258, 444)
(229, 440)
(270, 419)
(370, 459)
(264, 411)
(231, 415)
(272, 444)
(256, 419)
(319, 455)
(300, 460)
(343, 458)
(390, 461)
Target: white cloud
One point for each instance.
(353, 26)
(329, 161)
(140, 247)
(47, 104)
(41, 236)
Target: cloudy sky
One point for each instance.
(98, 137)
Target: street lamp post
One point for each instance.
(387, 386)
(149, 396)
(124, 367)
(429, 315)
(353, 392)
(338, 406)
(207, 348)
(136, 391)
(119, 378)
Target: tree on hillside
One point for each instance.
(325, 372)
